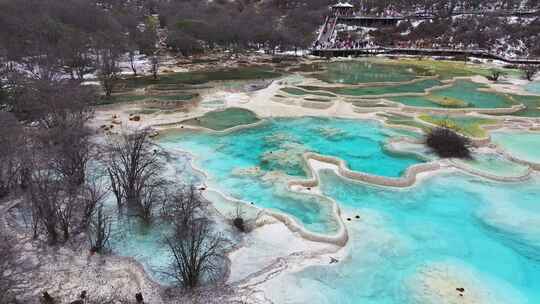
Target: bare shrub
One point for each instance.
(530, 71)
(447, 143)
(238, 220)
(495, 75)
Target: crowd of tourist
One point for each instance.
(368, 44)
(349, 43)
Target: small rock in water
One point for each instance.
(358, 216)
(333, 260)
(348, 219)
(460, 289)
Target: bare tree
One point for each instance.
(154, 192)
(154, 63)
(196, 250)
(66, 210)
(11, 146)
(134, 171)
(75, 54)
(45, 194)
(94, 193)
(108, 69)
(99, 230)
(196, 253)
(55, 205)
(132, 61)
(148, 41)
(51, 103)
(181, 206)
(70, 150)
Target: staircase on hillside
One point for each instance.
(327, 32)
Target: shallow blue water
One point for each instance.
(275, 149)
(147, 243)
(489, 233)
(523, 145)
(533, 87)
(484, 236)
(464, 90)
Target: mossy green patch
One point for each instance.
(446, 69)
(308, 68)
(469, 126)
(448, 102)
(369, 71)
(416, 87)
(146, 111)
(122, 98)
(317, 99)
(222, 120)
(300, 92)
(176, 97)
(201, 77)
(176, 87)
(180, 96)
(370, 103)
(531, 103)
(402, 120)
(463, 93)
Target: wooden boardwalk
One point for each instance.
(422, 52)
(515, 13)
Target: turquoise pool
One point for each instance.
(146, 243)
(418, 245)
(496, 165)
(462, 90)
(416, 87)
(368, 71)
(533, 87)
(255, 164)
(523, 145)
(409, 245)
